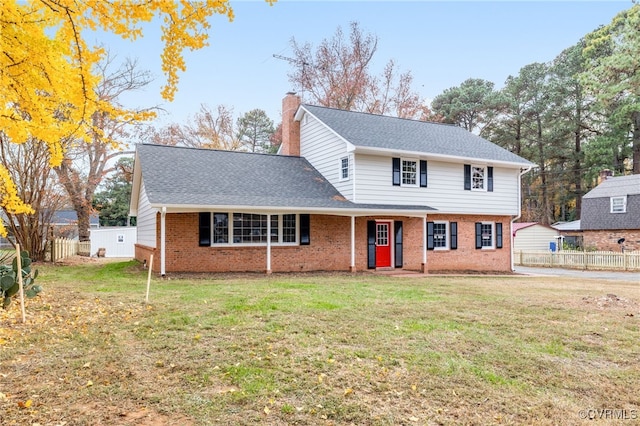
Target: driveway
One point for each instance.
(602, 275)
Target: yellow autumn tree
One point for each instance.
(47, 69)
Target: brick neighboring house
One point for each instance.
(348, 191)
(610, 212)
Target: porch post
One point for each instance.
(163, 240)
(268, 271)
(352, 267)
(423, 267)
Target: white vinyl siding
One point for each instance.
(534, 237)
(324, 150)
(146, 220)
(445, 192)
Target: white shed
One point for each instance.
(117, 241)
(533, 236)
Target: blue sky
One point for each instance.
(442, 43)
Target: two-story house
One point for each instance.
(610, 218)
(348, 191)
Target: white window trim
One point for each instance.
(409, 185)
(341, 178)
(484, 178)
(624, 204)
(447, 236)
(493, 236)
(260, 243)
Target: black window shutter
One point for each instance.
(467, 177)
(490, 179)
(498, 235)
(371, 244)
(396, 171)
(305, 230)
(204, 229)
(397, 225)
(478, 235)
(423, 173)
(430, 244)
(453, 229)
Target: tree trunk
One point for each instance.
(577, 165)
(636, 142)
(84, 216)
(545, 205)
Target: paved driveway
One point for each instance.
(603, 275)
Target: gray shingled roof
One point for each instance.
(204, 177)
(379, 131)
(616, 186)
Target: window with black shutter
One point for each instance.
(467, 177)
(423, 173)
(396, 171)
(453, 228)
(204, 229)
(305, 230)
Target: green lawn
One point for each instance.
(311, 349)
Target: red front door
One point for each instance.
(383, 245)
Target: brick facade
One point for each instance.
(607, 240)
(466, 257)
(330, 248)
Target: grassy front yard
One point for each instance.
(325, 349)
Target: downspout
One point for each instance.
(520, 174)
(424, 244)
(163, 241)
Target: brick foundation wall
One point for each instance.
(607, 240)
(143, 253)
(467, 257)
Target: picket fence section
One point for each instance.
(574, 259)
(65, 247)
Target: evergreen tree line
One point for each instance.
(574, 116)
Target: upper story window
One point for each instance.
(478, 178)
(344, 168)
(619, 204)
(409, 172)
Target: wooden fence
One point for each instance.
(63, 248)
(573, 259)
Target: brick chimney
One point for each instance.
(290, 127)
(605, 174)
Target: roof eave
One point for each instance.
(346, 211)
(135, 186)
(359, 149)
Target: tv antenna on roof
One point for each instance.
(295, 61)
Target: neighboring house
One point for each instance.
(570, 233)
(534, 236)
(64, 224)
(348, 191)
(611, 212)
